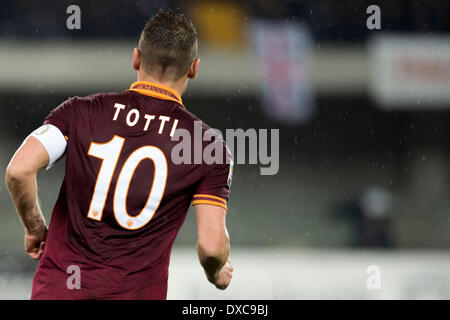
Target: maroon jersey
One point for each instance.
(123, 199)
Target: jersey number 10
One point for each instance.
(109, 152)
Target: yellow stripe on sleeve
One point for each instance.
(210, 196)
(210, 202)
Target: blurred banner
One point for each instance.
(284, 55)
(219, 23)
(410, 71)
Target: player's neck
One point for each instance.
(178, 85)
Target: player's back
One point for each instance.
(123, 199)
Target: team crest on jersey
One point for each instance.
(230, 175)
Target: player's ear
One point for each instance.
(193, 70)
(136, 59)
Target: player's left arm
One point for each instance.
(21, 182)
(210, 202)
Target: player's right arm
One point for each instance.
(213, 246)
(20, 179)
(41, 149)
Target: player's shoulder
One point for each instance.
(193, 123)
(189, 120)
(98, 97)
(93, 102)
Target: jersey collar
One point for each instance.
(156, 90)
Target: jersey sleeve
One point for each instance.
(52, 140)
(60, 116)
(215, 187)
(54, 132)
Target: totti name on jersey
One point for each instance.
(133, 117)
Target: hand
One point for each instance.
(223, 278)
(35, 242)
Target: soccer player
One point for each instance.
(123, 199)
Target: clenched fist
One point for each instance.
(35, 242)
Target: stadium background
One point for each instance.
(364, 171)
